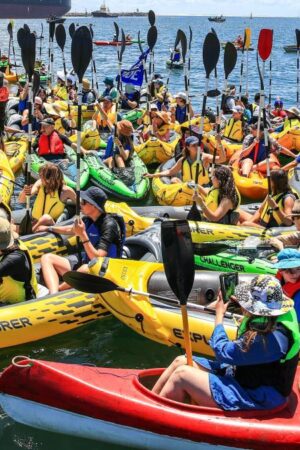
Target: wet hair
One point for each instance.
(53, 179)
(253, 329)
(227, 185)
(280, 181)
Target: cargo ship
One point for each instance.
(103, 12)
(33, 9)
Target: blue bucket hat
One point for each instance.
(288, 258)
(109, 81)
(191, 140)
(95, 196)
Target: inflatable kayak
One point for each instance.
(126, 184)
(16, 153)
(117, 406)
(229, 147)
(194, 123)
(154, 151)
(294, 178)
(67, 165)
(132, 116)
(90, 137)
(6, 185)
(174, 64)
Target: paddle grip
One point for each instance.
(187, 339)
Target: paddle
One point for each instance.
(51, 55)
(247, 46)
(151, 40)
(176, 43)
(242, 66)
(92, 284)
(95, 85)
(72, 29)
(81, 53)
(28, 50)
(9, 30)
(189, 57)
(178, 260)
(298, 63)
(61, 37)
(265, 42)
(41, 40)
(151, 17)
(11, 37)
(36, 84)
(211, 53)
(184, 46)
(120, 53)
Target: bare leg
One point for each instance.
(246, 167)
(119, 161)
(44, 220)
(64, 286)
(53, 266)
(175, 180)
(109, 162)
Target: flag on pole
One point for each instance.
(135, 74)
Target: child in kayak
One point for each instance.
(255, 372)
(291, 239)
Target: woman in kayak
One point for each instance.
(275, 211)
(291, 239)
(52, 197)
(254, 372)
(160, 126)
(220, 202)
(120, 148)
(288, 266)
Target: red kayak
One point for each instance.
(114, 43)
(116, 405)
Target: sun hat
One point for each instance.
(192, 140)
(61, 75)
(181, 95)
(163, 115)
(109, 81)
(295, 111)
(38, 101)
(47, 121)
(158, 81)
(288, 258)
(72, 78)
(95, 196)
(263, 296)
(125, 127)
(51, 110)
(86, 84)
(6, 234)
(238, 109)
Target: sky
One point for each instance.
(279, 8)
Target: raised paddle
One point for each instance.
(189, 55)
(51, 54)
(41, 40)
(211, 53)
(72, 29)
(184, 47)
(28, 51)
(297, 31)
(151, 17)
(178, 259)
(61, 37)
(81, 54)
(151, 40)
(93, 284)
(247, 46)
(120, 53)
(242, 66)
(95, 85)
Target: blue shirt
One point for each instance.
(226, 391)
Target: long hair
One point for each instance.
(280, 182)
(227, 185)
(253, 329)
(52, 176)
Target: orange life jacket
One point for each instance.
(51, 145)
(4, 94)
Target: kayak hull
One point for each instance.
(111, 43)
(116, 406)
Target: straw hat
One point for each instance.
(295, 111)
(125, 127)
(164, 116)
(6, 235)
(54, 110)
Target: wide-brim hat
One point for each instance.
(289, 258)
(263, 296)
(164, 116)
(109, 81)
(295, 111)
(96, 197)
(125, 127)
(51, 110)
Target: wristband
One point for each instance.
(50, 229)
(84, 242)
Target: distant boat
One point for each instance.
(290, 48)
(103, 12)
(218, 19)
(251, 16)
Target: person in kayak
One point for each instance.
(160, 94)
(219, 204)
(291, 239)
(88, 95)
(110, 89)
(71, 87)
(120, 148)
(175, 55)
(234, 127)
(275, 210)
(131, 98)
(254, 372)
(52, 196)
(229, 100)
(105, 115)
(37, 116)
(4, 95)
(17, 275)
(160, 126)
(101, 234)
(278, 112)
(187, 164)
(59, 92)
(179, 113)
(288, 266)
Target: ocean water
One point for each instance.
(108, 342)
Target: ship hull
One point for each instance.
(31, 11)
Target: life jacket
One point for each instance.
(289, 289)
(290, 123)
(102, 123)
(181, 114)
(4, 94)
(234, 130)
(175, 56)
(212, 202)
(47, 204)
(50, 145)
(259, 153)
(189, 171)
(61, 92)
(224, 104)
(271, 218)
(94, 235)
(278, 374)
(13, 291)
(85, 97)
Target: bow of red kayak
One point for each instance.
(116, 405)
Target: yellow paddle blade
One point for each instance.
(247, 38)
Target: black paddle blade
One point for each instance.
(190, 38)
(211, 53)
(26, 28)
(28, 53)
(10, 29)
(117, 31)
(72, 30)
(230, 57)
(178, 257)
(81, 51)
(86, 282)
(51, 30)
(151, 17)
(61, 36)
(123, 44)
(152, 37)
(194, 213)
(21, 35)
(91, 30)
(298, 37)
(183, 40)
(178, 39)
(213, 93)
(36, 84)
(25, 226)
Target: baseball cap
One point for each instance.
(192, 140)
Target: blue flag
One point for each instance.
(135, 74)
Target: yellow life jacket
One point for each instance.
(47, 204)
(164, 129)
(59, 127)
(234, 130)
(268, 214)
(290, 123)
(61, 92)
(189, 172)
(102, 123)
(212, 202)
(13, 291)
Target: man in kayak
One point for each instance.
(256, 371)
(278, 112)
(175, 55)
(110, 89)
(37, 116)
(88, 95)
(4, 95)
(101, 234)
(131, 98)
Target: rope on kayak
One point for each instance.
(15, 361)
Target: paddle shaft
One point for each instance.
(187, 339)
(298, 75)
(241, 73)
(247, 69)
(201, 132)
(78, 152)
(270, 83)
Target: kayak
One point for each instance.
(67, 165)
(113, 43)
(290, 48)
(117, 406)
(132, 115)
(16, 153)
(6, 185)
(171, 194)
(154, 151)
(90, 137)
(11, 77)
(195, 122)
(290, 138)
(174, 64)
(238, 47)
(229, 146)
(294, 178)
(44, 78)
(126, 184)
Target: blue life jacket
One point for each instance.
(175, 56)
(258, 155)
(35, 124)
(23, 104)
(181, 114)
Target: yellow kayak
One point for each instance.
(16, 153)
(194, 122)
(6, 186)
(155, 151)
(175, 194)
(229, 147)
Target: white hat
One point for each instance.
(181, 95)
(61, 75)
(71, 77)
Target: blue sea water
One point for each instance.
(109, 343)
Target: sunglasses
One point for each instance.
(295, 217)
(291, 271)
